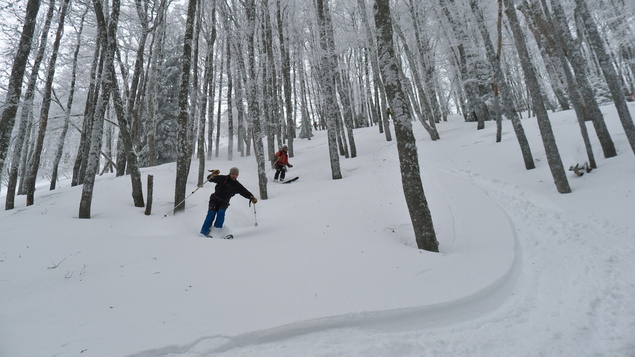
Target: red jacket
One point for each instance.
(283, 158)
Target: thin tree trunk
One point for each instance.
(286, 77)
(69, 105)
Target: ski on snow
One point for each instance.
(291, 180)
(229, 236)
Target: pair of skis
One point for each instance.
(229, 236)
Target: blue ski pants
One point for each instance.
(211, 214)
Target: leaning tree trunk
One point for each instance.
(406, 142)
(611, 77)
(14, 90)
(548, 139)
(44, 111)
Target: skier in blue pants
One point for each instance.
(226, 187)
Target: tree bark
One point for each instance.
(109, 44)
(183, 146)
(328, 85)
(406, 142)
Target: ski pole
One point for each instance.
(180, 203)
(255, 218)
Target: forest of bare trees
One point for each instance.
(95, 86)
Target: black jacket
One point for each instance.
(225, 189)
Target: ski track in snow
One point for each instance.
(393, 321)
(483, 318)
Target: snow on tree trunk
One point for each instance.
(406, 142)
(183, 145)
(328, 85)
(253, 106)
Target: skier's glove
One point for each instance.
(289, 165)
(213, 175)
(253, 199)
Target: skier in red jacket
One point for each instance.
(282, 163)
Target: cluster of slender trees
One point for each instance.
(137, 83)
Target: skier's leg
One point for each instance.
(283, 170)
(220, 219)
(275, 177)
(208, 222)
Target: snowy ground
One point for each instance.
(332, 268)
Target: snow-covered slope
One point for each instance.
(332, 268)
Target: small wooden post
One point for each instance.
(150, 188)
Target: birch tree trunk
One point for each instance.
(548, 139)
(406, 142)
